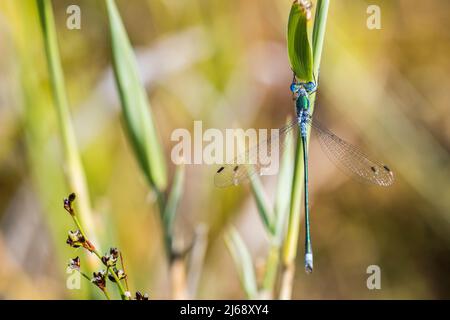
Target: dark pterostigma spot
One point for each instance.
(374, 169)
(236, 168)
(220, 170)
(387, 169)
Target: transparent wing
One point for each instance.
(248, 163)
(350, 159)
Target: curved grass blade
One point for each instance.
(139, 120)
(243, 262)
(350, 159)
(248, 163)
(299, 49)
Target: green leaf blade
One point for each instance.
(135, 105)
(173, 201)
(299, 48)
(243, 262)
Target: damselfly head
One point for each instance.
(294, 87)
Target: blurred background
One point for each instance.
(225, 63)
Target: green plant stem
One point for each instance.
(290, 245)
(168, 209)
(243, 261)
(319, 33)
(105, 292)
(270, 273)
(84, 275)
(280, 211)
(263, 208)
(120, 286)
(75, 171)
(123, 268)
(78, 224)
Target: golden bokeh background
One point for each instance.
(225, 63)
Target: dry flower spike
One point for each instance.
(140, 296)
(120, 275)
(68, 203)
(74, 263)
(99, 279)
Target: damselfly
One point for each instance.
(350, 159)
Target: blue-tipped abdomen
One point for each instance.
(309, 266)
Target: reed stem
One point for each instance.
(290, 245)
(75, 172)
